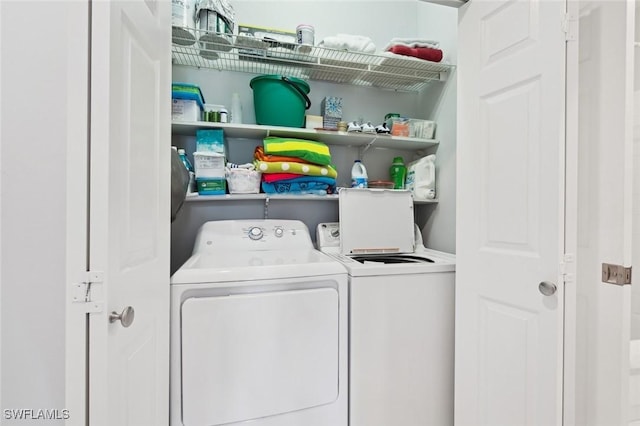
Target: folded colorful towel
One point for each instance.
(259, 154)
(302, 185)
(302, 192)
(311, 151)
(297, 168)
(274, 177)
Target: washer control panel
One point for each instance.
(328, 235)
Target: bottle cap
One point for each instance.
(398, 160)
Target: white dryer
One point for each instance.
(401, 312)
(258, 329)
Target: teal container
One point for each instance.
(398, 173)
(280, 100)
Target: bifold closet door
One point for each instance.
(510, 213)
(130, 212)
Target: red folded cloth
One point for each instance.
(426, 53)
(274, 177)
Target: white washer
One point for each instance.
(401, 359)
(259, 329)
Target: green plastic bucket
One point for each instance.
(280, 100)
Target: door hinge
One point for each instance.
(616, 274)
(567, 267)
(85, 292)
(570, 26)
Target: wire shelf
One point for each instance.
(226, 52)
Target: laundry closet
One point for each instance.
(548, 345)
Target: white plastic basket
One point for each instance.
(243, 181)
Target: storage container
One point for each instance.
(380, 184)
(279, 100)
(185, 110)
(212, 186)
(210, 140)
(424, 129)
(215, 27)
(243, 181)
(187, 91)
(421, 178)
(209, 165)
(183, 22)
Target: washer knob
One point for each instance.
(279, 232)
(255, 233)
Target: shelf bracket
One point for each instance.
(266, 208)
(367, 146)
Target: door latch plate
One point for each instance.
(616, 274)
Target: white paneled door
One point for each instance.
(129, 212)
(510, 220)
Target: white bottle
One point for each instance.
(359, 178)
(236, 109)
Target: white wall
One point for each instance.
(635, 290)
(438, 103)
(602, 326)
(34, 87)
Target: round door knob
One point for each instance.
(547, 288)
(125, 318)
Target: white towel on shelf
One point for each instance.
(412, 42)
(353, 43)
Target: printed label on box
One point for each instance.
(210, 140)
(209, 165)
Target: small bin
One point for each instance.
(209, 165)
(424, 129)
(243, 181)
(211, 186)
(185, 110)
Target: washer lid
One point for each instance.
(376, 221)
(226, 266)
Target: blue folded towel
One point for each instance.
(300, 185)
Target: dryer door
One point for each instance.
(257, 355)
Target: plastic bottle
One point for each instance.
(183, 156)
(192, 176)
(398, 173)
(236, 109)
(359, 178)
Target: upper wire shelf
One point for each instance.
(226, 52)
